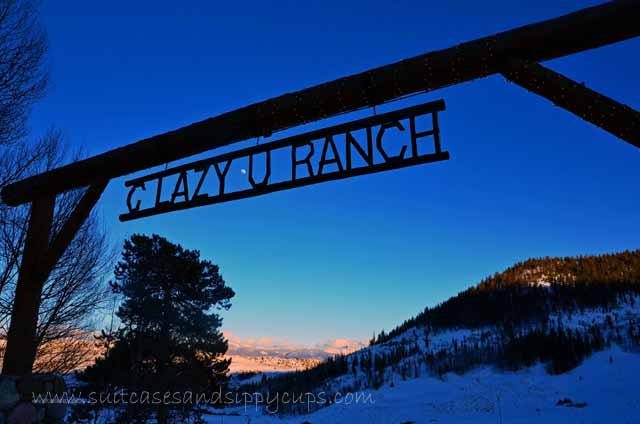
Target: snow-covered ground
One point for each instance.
(608, 382)
(605, 388)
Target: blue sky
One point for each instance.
(345, 258)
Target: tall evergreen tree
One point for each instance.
(169, 339)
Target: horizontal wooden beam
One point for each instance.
(582, 30)
(602, 111)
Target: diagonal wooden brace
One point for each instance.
(602, 111)
(67, 233)
(38, 260)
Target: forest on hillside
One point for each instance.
(513, 319)
(531, 290)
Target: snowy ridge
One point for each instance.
(407, 382)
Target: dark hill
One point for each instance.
(531, 290)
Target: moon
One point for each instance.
(243, 171)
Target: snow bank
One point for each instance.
(607, 383)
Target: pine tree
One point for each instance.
(170, 338)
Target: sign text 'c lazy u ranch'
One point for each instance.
(355, 148)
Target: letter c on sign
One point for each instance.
(383, 153)
(130, 195)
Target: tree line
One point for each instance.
(509, 297)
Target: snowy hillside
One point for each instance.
(603, 389)
(492, 349)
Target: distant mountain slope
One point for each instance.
(553, 311)
(269, 355)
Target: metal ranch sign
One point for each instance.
(359, 147)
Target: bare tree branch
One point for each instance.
(23, 70)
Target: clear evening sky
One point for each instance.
(345, 258)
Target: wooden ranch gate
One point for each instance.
(516, 54)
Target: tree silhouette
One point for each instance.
(169, 339)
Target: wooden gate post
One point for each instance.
(42, 250)
(21, 341)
